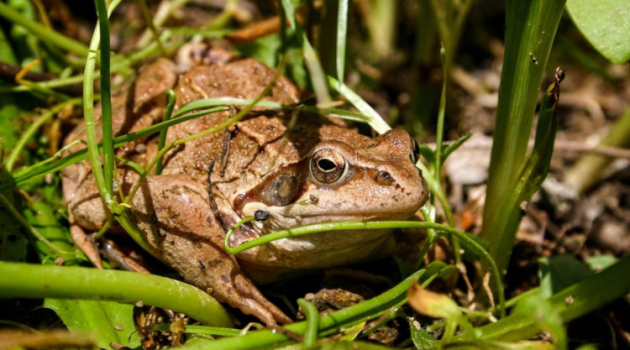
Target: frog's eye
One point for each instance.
(328, 166)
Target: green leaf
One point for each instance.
(558, 272)
(572, 302)
(600, 262)
(420, 337)
(507, 214)
(432, 304)
(264, 49)
(42, 216)
(427, 153)
(331, 345)
(546, 317)
(587, 347)
(351, 333)
(455, 145)
(316, 72)
(12, 241)
(109, 322)
(9, 133)
(606, 25)
(470, 252)
(6, 51)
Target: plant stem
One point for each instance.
(164, 11)
(438, 157)
(333, 322)
(312, 319)
(171, 99)
(370, 225)
(106, 102)
(49, 281)
(436, 189)
(88, 115)
(530, 32)
(376, 122)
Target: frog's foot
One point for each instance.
(174, 213)
(86, 244)
(249, 300)
(118, 258)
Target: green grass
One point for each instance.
(530, 32)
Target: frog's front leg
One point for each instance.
(174, 214)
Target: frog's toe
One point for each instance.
(253, 302)
(86, 245)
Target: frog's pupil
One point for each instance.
(326, 165)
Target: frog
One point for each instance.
(296, 168)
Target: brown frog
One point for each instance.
(314, 171)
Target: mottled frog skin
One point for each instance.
(316, 171)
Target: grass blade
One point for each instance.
(47, 167)
(530, 33)
(531, 177)
(342, 31)
(375, 120)
(106, 101)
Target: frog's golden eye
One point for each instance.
(328, 166)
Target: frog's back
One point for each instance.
(234, 149)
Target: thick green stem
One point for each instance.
(530, 32)
(38, 281)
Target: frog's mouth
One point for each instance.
(283, 218)
(299, 214)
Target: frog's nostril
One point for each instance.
(384, 178)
